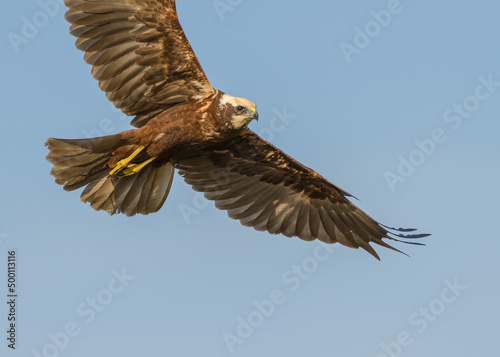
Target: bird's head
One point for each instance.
(238, 111)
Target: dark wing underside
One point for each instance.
(139, 54)
(266, 189)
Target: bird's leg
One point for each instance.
(122, 164)
(135, 168)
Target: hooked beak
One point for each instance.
(255, 114)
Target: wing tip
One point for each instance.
(397, 234)
(400, 232)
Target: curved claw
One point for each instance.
(135, 168)
(124, 163)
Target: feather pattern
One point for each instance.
(140, 54)
(83, 162)
(264, 188)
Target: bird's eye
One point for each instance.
(240, 107)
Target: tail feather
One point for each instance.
(84, 162)
(77, 162)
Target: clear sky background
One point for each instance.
(414, 98)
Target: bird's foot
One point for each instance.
(134, 168)
(124, 163)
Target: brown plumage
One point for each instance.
(144, 63)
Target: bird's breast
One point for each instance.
(172, 133)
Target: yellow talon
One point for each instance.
(135, 168)
(122, 164)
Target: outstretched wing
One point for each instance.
(266, 189)
(139, 54)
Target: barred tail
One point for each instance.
(84, 162)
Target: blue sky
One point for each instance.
(397, 102)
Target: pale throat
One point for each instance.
(240, 121)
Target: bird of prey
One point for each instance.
(147, 68)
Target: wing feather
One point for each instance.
(314, 222)
(276, 219)
(290, 220)
(302, 220)
(107, 55)
(257, 206)
(303, 231)
(264, 188)
(139, 53)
